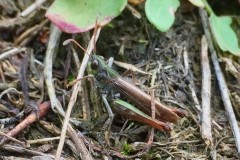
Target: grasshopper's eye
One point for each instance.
(94, 65)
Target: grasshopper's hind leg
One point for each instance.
(108, 123)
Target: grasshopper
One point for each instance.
(108, 80)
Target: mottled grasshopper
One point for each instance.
(108, 79)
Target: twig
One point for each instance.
(194, 96)
(206, 129)
(10, 90)
(74, 95)
(11, 52)
(32, 7)
(153, 109)
(22, 74)
(191, 84)
(185, 60)
(43, 140)
(51, 49)
(12, 139)
(53, 42)
(75, 57)
(6, 85)
(86, 109)
(22, 150)
(134, 11)
(26, 37)
(43, 108)
(79, 143)
(12, 119)
(221, 82)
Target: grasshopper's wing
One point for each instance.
(143, 101)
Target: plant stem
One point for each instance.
(208, 8)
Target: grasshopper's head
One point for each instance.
(99, 66)
(97, 63)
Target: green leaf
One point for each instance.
(76, 16)
(161, 13)
(224, 34)
(198, 3)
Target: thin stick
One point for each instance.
(153, 109)
(194, 95)
(8, 91)
(206, 127)
(185, 60)
(79, 143)
(42, 140)
(56, 105)
(191, 84)
(21, 150)
(32, 7)
(74, 94)
(27, 36)
(11, 52)
(31, 118)
(12, 119)
(12, 139)
(75, 57)
(51, 50)
(134, 11)
(221, 82)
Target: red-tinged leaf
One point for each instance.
(81, 15)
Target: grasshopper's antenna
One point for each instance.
(72, 40)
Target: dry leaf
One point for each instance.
(130, 67)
